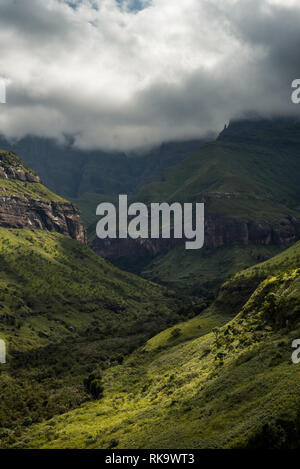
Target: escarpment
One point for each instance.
(220, 230)
(26, 203)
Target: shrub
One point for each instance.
(93, 384)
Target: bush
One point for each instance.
(27, 421)
(93, 384)
(4, 432)
(175, 333)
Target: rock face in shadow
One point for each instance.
(29, 213)
(219, 231)
(222, 231)
(19, 210)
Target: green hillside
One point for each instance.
(202, 272)
(63, 310)
(222, 380)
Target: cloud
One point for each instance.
(132, 73)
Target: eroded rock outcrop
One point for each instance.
(38, 214)
(24, 211)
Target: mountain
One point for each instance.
(26, 203)
(249, 181)
(252, 165)
(63, 309)
(72, 173)
(223, 379)
(100, 358)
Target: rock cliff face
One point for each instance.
(25, 203)
(38, 214)
(219, 231)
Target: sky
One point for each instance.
(123, 75)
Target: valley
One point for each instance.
(180, 349)
(224, 379)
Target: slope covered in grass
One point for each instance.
(28, 189)
(62, 310)
(46, 277)
(202, 272)
(206, 385)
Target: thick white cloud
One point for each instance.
(117, 77)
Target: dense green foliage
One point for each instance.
(214, 383)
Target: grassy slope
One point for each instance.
(47, 277)
(32, 190)
(208, 385)
(201, 272)
(62, 310)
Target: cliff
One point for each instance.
(26, 203)
(219, 231)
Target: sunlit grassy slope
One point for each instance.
(202, 384)
(63, 309)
